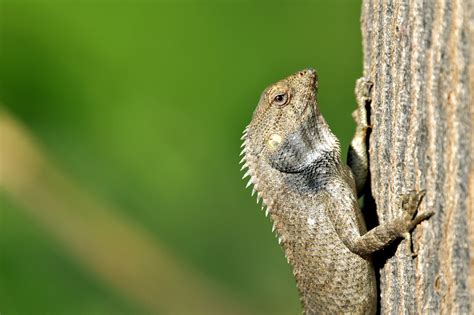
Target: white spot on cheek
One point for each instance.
(274, 141)
(311, 221)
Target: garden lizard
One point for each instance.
(293, 161)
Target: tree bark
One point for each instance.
(420, 56)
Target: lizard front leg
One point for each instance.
(357, 158)
(382, 235)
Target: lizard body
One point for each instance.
(294, 163)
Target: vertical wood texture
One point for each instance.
(420, 56)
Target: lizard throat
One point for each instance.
(258, 172)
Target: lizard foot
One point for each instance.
(411, 217)
(363, 93)
(363, 89)
(410, 203)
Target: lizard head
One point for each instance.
(287, 131)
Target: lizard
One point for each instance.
(294, 164)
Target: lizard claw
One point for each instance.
(420, 217)
(411, 201)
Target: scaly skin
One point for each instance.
(294, 163)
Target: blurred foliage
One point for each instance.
(143, 103)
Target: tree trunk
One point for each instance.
(420, 56)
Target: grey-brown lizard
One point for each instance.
(294, 163)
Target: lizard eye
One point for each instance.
(280, 99)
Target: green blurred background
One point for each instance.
(142, 104)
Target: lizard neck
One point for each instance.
(305, 162)
(315, 177)
(293, 199)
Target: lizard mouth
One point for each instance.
(310, 75)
